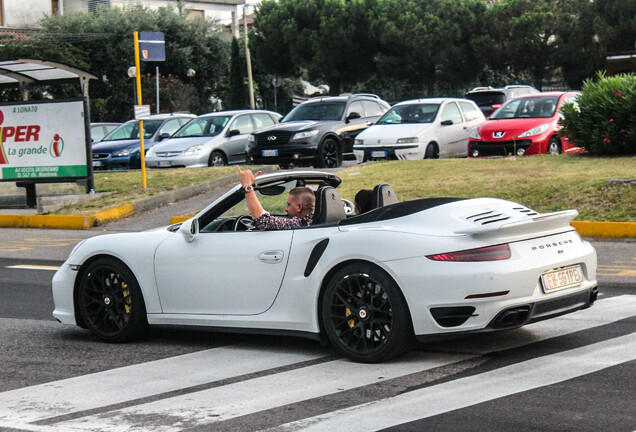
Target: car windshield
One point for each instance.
(130, 130)
(316, 111)
(203, 127)
(528, 107)
(487, 98)
(410, 113)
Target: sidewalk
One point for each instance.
(28, 218)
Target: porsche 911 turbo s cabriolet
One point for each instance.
(427, 268)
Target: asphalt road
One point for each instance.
(575, 372)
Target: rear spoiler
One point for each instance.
(537, 226)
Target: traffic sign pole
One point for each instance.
(141, 122)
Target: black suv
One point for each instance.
(488, 99)
(317, 132)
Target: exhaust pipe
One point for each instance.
(593, 295)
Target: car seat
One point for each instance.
(329, 206)
(546, 109)
(383, 195)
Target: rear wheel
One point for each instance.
(217, 159)
(431, 152)
(110, 301)
(365, 315)
(329, 154)
(554, 146)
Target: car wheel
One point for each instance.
(110, 301)
(554, 146)
(329, 155)
(431, 152)
(365, 315)
(217, 159)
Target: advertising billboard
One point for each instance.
(43, 141)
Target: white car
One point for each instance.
(420, 129)
(214, 139)
(367, 283)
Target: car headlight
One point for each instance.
(122, 153)
(194, 150)
(358, 142)
(150, 152)
(474, 134)
(408, 140)
(535, 131)
(307, 134)
(251, 138)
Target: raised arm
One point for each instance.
(247, 180)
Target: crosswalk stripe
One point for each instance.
(464, 392)
(215, 403)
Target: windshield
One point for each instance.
(485, 98)
(203, 126)
(316, 111)
(528, 107)
(130, 130)
(410, 113)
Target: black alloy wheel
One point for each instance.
(217, 159)
(365, 315)
(554, 146)
(110, 301)
(328, 154)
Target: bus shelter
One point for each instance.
(44, 141)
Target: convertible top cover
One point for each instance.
(394, 211)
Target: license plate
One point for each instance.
(269, 153)
(165, 163)
(97, 163)
(558, 279)
(378, 154)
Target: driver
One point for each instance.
(300, 206)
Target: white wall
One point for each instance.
(24, 13)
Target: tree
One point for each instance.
(103, 44)
(237, 97)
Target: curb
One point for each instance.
(614, 230)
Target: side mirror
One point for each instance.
(233, 132)
(163, 136)
(447, 123)
(189, 229)
(353, 115)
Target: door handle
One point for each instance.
(271, 257)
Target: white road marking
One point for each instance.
(22, 406)
(33, 267)
(461, 393)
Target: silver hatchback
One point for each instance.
(214, 139)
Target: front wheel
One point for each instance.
(365, 314)
(217, 159)
(110, 301)
(431, 152)
(329, 154)
(554, 146)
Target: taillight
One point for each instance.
(489, 253)
(495, 106)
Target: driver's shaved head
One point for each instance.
(306, 197)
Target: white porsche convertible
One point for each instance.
(427, 268)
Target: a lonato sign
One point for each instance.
(43, 141)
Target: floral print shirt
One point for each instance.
(268, 222)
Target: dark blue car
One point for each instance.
(120, 148)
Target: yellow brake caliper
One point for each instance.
(127, 300)
(352, 322)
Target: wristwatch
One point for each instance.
(248, 189)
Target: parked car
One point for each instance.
(214, 139)
(488, 99)
(317, 132)
(526, 125)
(417, 129)
(100, 130)
(120, 148)
(430, 268)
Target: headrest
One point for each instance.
(329, 206)
(383, 195)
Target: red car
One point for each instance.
(526, 125)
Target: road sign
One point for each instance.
(142, 112)
(152, 46)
